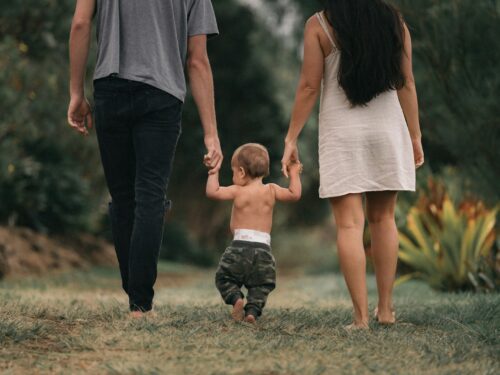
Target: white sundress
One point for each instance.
(361, 149)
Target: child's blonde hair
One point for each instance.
(253, 158)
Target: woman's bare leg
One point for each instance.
(349, 218)
(380, 207)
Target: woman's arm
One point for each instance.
(408, 99)
(307, 90)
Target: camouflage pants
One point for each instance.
(246, 264)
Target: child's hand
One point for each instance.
(295, 167)
(207, 162)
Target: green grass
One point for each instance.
(77, 323)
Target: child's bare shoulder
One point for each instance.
(273, 186)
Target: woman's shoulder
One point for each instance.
(313, 21)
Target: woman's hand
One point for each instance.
(290, 155)
(418, 152)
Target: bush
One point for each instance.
(49, 179)
(450, 247)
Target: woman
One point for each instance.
(369, 134)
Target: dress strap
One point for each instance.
(322, 22)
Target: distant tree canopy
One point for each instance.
(51, 178)
(457, 59)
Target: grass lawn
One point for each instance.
(77, 323)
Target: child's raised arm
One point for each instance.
(294, 191)
(215, 191)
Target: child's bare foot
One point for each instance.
(250, 319)
(385, 317)
(238, 312)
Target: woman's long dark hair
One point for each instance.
(370, 36)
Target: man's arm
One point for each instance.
(294, 191)
(215, 191)
(79, 112)
(202, 87)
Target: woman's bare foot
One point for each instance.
(250, 319)
(238, 312)
(385, 318)
(356, 327)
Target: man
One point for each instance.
(139, 88)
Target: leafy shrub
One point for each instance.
(450, 247)
(49, 179)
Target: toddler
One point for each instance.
(248, 260)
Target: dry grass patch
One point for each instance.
(49, 329)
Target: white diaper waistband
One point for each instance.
(252, 236)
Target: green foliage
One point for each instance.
(457, 54)
(48, 178)
(51, 178)
(450, 247)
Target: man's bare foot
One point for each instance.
(136, 314)
(385, 318)
(238, 312)
(250, 319)
(141, 314)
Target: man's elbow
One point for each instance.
(198, 64)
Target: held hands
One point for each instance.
(295, 168)
(418, 152)
(213, 158)
(290, 156)
(80, 115)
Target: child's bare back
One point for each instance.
(253, 207)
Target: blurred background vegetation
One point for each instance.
(51, 179)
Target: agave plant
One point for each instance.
(450, 247)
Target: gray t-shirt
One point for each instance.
(146, 40)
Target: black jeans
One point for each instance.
(137, 128)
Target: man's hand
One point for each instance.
(213, 158)
(80, 115)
